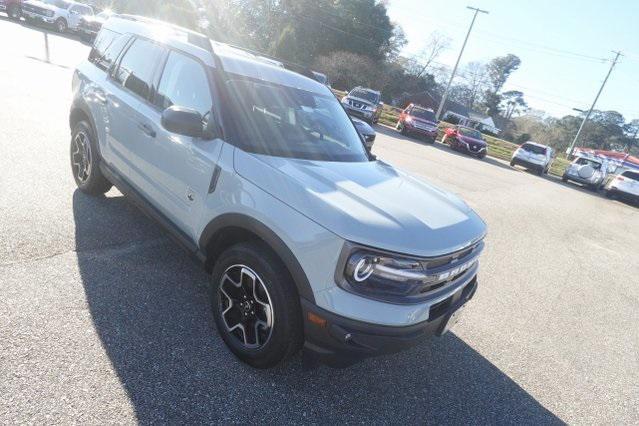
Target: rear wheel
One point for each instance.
(61, 25)
(14, 11)
(255, 305)
(85, 161)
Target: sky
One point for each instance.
(565, 46)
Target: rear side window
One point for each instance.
(137, 67)
(184, 83)
(534, 149)
(108, 45)
(631, 175)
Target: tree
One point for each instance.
(513, 102)
(498, 70)
(436, 44)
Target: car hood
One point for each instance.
(370, 203)
(363, 127)
(468, 139)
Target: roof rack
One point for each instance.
(291, 66)
(193, 37)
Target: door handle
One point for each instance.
(147, 129)
(101, 98)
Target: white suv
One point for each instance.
(63, 15)
(533, 156)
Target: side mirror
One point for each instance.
(183, 121)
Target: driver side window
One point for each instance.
(184, 83)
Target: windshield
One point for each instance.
(424, 114)
(535, 149)
(366, 95)
(286, 122)
(471, 133)
(62, 4)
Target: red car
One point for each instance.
(418, 120)
(466, 139)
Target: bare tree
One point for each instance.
(475, 77)
(436, 44)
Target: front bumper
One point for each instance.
(367, 115)
(478, 152)
(340, 341)
(415, 129)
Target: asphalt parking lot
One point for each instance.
(103, 319)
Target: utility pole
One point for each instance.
(443, 100)
(583, 122)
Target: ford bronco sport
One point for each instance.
(310, 242)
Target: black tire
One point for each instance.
(564, 178)
(89, 179)
(610, 194)
(14, 11)
(403, 130)
(61, 25)
(286, 334)
(540, 171)
(512, 163)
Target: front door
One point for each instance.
(178, 169)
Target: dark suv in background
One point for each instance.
(364, 103)
(418, 120)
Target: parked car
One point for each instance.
(90, 24)
(625, 186)
(322, 78)
(465, 139)
(366, 131)
(308, 239)
(533, 156)
(590, 172)
(363, 103)
(417, 120)
(13, 8)
(63, 15)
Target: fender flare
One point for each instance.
(80, 106)
(237, 220)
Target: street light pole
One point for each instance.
(583, 122)
(445, 96)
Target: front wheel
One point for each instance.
(255, 305)
(61, 25)
(564, 178)
(85, 161)
(14, 11)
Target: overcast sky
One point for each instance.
(558, 42)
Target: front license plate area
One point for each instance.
(453, 319)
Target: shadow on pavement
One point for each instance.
(148, 303)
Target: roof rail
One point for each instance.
(193, 37)
(300, 69)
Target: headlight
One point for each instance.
(408, 119)
(401, 279)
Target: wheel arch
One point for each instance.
(232, 228)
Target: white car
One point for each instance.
(63, 15)
(625, 185)
(533, 156)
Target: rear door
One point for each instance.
(178, 170)
(129, 88)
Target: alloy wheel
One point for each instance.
(245, 306)
(81, 156)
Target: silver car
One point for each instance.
(588, 171)
(533, 156)
(625, 186)
(309, 241)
